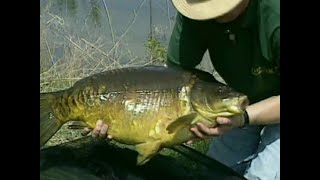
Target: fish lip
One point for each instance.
(235, 109)
(244, 102)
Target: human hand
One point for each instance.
(224, 124)
(100, 130)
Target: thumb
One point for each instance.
(86, 131)
(224, 121)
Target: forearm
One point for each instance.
(265, 112)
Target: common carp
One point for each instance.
(150, 107)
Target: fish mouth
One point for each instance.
(240, 106)
(235, 109)
(244, 102)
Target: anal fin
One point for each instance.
(181, 128)
(147, 151)
(181, 123)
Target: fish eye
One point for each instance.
(220, 89)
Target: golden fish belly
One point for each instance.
(139, 116)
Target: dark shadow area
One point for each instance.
(89, 158)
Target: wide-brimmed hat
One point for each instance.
(204, 9)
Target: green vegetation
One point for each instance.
(156, 50)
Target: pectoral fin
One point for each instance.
(147, 151)
(182, 122)
(181, 128)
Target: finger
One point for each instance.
(85, 131)
(97, 129)
(190, 142)
(103, 131)
(99, 123)
(212, 131)
(204, 129)
(109, 137)
(195, 140)
(197, 133)
(224, 121)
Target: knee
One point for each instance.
(267, 163)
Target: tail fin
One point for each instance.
(49, 124)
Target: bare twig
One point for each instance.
(86, 19)
(92, 45)
(123, 35)
(50, 54)
(103, 53)
(79, 48)
(60, 20)
(110, 24)
(150, 18)
(84, 56)
(129, 26)
(168, 14)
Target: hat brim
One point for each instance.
(204, 9)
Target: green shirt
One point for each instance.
(245, 52)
